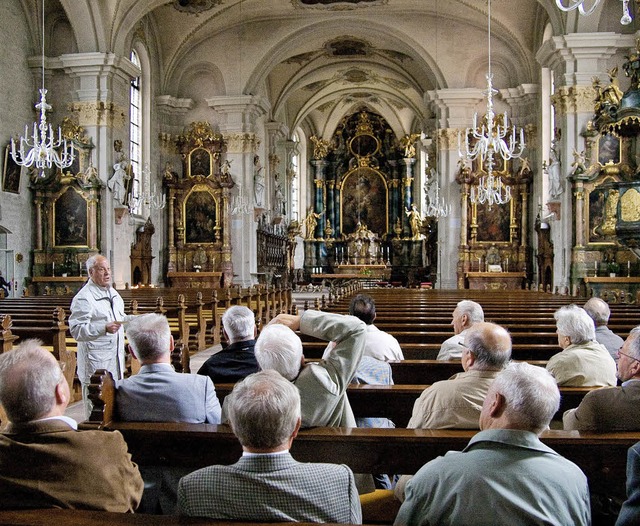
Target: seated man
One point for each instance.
(465, 315)
(630, 511)
(379, 344)
(583, 361)
(44, 461)
(599, 312)
(506, 475)
(323, 384)
(267, 484)
(456, 403)
(237, 360)
(613, 408)
(158, 393)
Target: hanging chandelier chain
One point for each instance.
(44, 150)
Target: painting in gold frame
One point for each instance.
(364, 199)
(201, 216)
(200, 163)
(609, 149)
(70, 212)
(601, 204)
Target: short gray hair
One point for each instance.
(149, 336)
(280, 349)
(634, 342)
(29, 375)
(93, 260)
(598, 310)
(239, 323)
(491, 345)
(264, 410)
(531, 395)
(574, 322)
(472, 309)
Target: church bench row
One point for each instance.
(366, 450)
(429, 351)
(68, 517)
(395, 402)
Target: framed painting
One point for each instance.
(609, 149)
(200, 163)
(364, 200)
(11, 173)
(494, 224)
(70, 211)
(200, 217)
(602, 203)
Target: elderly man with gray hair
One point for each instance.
(506, 475)
(238, 359)
(613, 408)
(465, 315)
(456, 403)
(267, 484)
(583, 361)
(323, 384)
(599, 311)
(45, 462)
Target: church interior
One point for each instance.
(211, 143)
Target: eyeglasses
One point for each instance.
(627, 355)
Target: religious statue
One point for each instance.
(320, 147)
(258, 180)
(608, 99)
(525, 168)
(408, 144)
(169, 174)
(553, 169)
(579, 162)
(310, 222)
(415, 221)
(118, 182)
(278, 197)
(632, 67)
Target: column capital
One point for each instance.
(239, 112)
(577, 57)
(455, 106)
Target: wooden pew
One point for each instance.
(56, 517)
(395, 402)
(366, 450)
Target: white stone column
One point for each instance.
(239, 121)
(101, 106)
(574, 60)
(455, 108)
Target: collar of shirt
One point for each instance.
(250, 454)
(70, 421)
(630, 381)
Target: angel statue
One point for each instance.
(408, 143)
(579, 163)
(320, 147)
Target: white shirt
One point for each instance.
(381, 345)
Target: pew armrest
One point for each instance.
(102, 393)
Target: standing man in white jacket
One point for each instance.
(97, 316)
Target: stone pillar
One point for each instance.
(574, 60)
(101, 107)
(455, 109)
(238, 119)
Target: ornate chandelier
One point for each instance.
(579, 5)
(494, 137)
(435, 205)
(43, 150)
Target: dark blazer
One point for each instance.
(607, 409)
(48, 464)
(235, 362)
